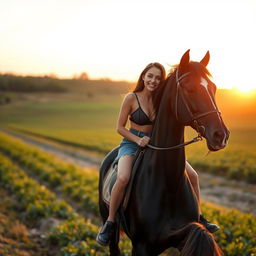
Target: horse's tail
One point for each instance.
(198, 241)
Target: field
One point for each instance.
(89, 122)
(47, 190)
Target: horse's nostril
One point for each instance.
(219, 135)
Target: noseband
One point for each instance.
(193, 118)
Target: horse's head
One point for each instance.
(195, 101)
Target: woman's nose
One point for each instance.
(153, 79)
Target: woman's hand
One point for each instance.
(143, 142)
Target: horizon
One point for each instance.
(240, 93)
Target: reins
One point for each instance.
(198, 138)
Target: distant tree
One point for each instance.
(83, 76)
(51, 75)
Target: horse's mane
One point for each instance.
(193, 66)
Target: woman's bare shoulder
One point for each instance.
(129, 97)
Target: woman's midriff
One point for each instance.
(142, 128)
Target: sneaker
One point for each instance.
(106, 233)
(209, 226)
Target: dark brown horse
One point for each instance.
(163, 209)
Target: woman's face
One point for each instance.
(152, 78)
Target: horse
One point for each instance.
(163, 210)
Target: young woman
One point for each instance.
(138, 106)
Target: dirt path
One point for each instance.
(214, 189)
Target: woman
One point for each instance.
(139, 107)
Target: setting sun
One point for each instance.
(245, 89)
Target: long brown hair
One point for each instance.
(140, 84)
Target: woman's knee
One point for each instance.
(123, 180)
(124, 170)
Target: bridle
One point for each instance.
(193, 118)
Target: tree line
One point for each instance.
(30, 84)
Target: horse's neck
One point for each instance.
(168, 132)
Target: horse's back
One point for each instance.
(105, 165)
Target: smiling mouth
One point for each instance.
(152, 86)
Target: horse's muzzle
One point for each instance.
(218, 140)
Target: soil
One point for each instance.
(215, 189)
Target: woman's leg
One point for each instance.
(123, 177)
(193, 177)
(117, 194)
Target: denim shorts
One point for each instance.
(128, 147)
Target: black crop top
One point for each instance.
(139, 116)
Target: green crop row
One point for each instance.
(73, 232)
(79, 184)
(237, 229)
(35, 200)
(15, 239)
(236, 237)
(73, 236)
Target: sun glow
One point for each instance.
(245, 89)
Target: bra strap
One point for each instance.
(137, 98)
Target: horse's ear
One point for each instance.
(184, 60)
(205, 59)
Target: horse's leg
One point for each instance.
(113, 246)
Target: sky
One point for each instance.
(116, 39)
